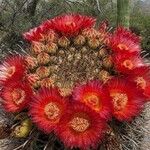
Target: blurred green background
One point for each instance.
(18, 16)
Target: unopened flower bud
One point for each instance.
(107, 62)
(32, 78)
(93, 43)
(102, 53)
(31, 62)
(104, 75)
(47, 82)
(90, 33)
(37, 47)
(79, 40)
(51, 48)
(63, 42)
(51, 36)
(23, 130)
(43, 72)
(43, 58)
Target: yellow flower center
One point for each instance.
(11, 70)
(122, 47)
(128, 64)
(52, 111)
(70, 23)
(18, 96)
(119, 100)
(140, 81)
(79, 124)
(92, 100)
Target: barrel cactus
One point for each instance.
(78, 87)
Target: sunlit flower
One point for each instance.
(13, 68)
(16, 96)
(141, 76)
(96, 96)
(81, 127)
(34, 34)
(125, 63)
(47, 108)
(123, 40)
(126, 99)
(40, 33)
(69, 25)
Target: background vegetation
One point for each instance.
(18, 16)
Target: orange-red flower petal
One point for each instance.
(47, 108)
(141, 76)
(34, 34)
(96, 96)
(127, 100)
(125, 63)
(69, 25)
(16, 96)
(123, 40)
(40, 33)
(81, 127)
(13, 68)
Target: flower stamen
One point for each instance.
(52, 111)
(11, 70)
(122, 47)
(18, 96)
(128, 64)
(119, 100)
(140, 82)
(92, 100)
(79, 124)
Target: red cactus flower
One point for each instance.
(69, 25)
(125, 63)
(126, 99)
(13, 68)
(40, 33)
(47, 108)
(141, 76)
(34, 34)
(16, 96)
(96, 96)
(124, 40)
(81, 127)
